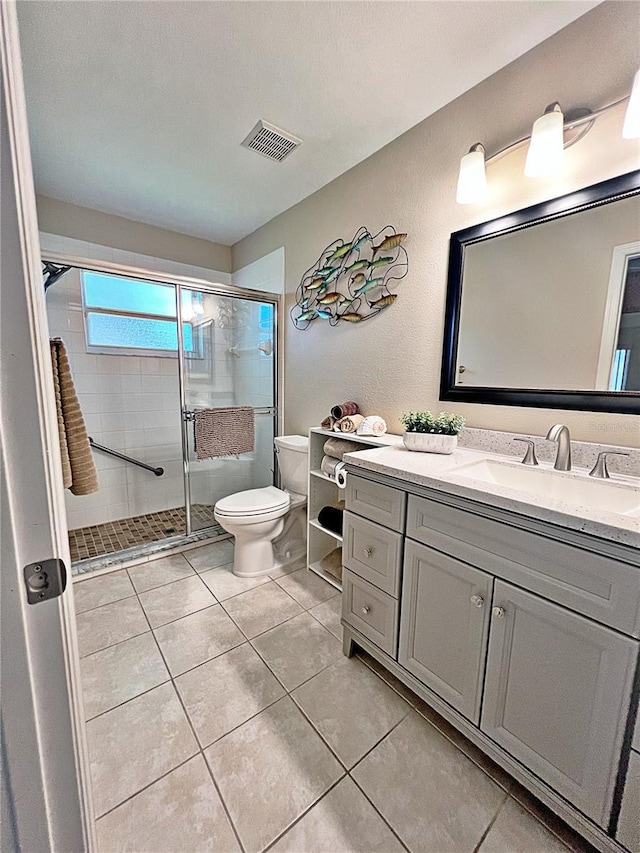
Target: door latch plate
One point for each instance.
(44, 580)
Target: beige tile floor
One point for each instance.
(222, 716)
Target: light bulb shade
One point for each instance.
(631, 127)
(546, 149)
(472, 180)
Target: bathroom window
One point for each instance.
(128, 316)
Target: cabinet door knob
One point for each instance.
(477, 600)
(368, 552)
(499, 612)
(366, 609)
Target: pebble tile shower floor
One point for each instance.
(112, 536)
(223, 716)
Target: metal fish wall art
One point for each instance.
(342, 284)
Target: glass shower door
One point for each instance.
(227, 359)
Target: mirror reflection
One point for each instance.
(555, 305)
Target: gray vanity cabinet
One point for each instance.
(557, 695)
(445, 611)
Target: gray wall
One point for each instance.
(92, 226)
(392, 363)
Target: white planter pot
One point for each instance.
(428, 442)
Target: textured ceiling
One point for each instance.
(139, 108)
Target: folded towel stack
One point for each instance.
(338, 414)
(332, 563)
(337, 447)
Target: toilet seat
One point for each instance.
(253, 503)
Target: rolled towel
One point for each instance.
(337, 447)
(328, 422)
(331, 518)
(372, 425)
(344, 409)
(350, 423)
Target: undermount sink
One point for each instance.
(578, 489)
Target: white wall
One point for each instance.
(392, 363)
(105, 229)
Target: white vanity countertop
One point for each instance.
(435, 471)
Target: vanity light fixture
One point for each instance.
(546, 149)
(550, 135)
(472, 181)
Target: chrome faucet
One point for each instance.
(560, 433)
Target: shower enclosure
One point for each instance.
(146, 352)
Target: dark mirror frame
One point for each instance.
(590, 401)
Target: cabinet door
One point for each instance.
(557, 695)
(443, 625)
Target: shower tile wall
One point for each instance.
(131, 404)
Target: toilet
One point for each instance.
(269, 524)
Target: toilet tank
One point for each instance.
(293, 462)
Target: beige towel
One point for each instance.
(332, 563)
(78, 468)
(223, 432)
(328, 422)
(348, 424)
(337, 447)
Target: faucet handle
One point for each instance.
(600, 470)
(530, 455)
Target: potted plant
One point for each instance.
(430, 434)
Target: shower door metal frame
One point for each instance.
(202, 286)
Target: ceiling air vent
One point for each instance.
(274, 143)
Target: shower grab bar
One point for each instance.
(157, 471)
(188, 414)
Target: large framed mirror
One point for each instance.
(543, 305)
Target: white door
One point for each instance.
(45, 793)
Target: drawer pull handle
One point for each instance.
(366, 609)
(477, 600)
(368, 552)
(499, 612)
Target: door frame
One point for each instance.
(45, 769)
(613, 310)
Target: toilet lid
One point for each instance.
(253, 502)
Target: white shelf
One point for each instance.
(322, 476)
(324, 491)
(315, 523)
(315, 567)
(386, 440)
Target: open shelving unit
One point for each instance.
(324, 491)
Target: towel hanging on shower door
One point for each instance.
(223, 432)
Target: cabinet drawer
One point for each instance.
(373, 552)
(370, 611)
(444, 625)
(589, 583)
(556, 696)
(381, 504)
(629, 824)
